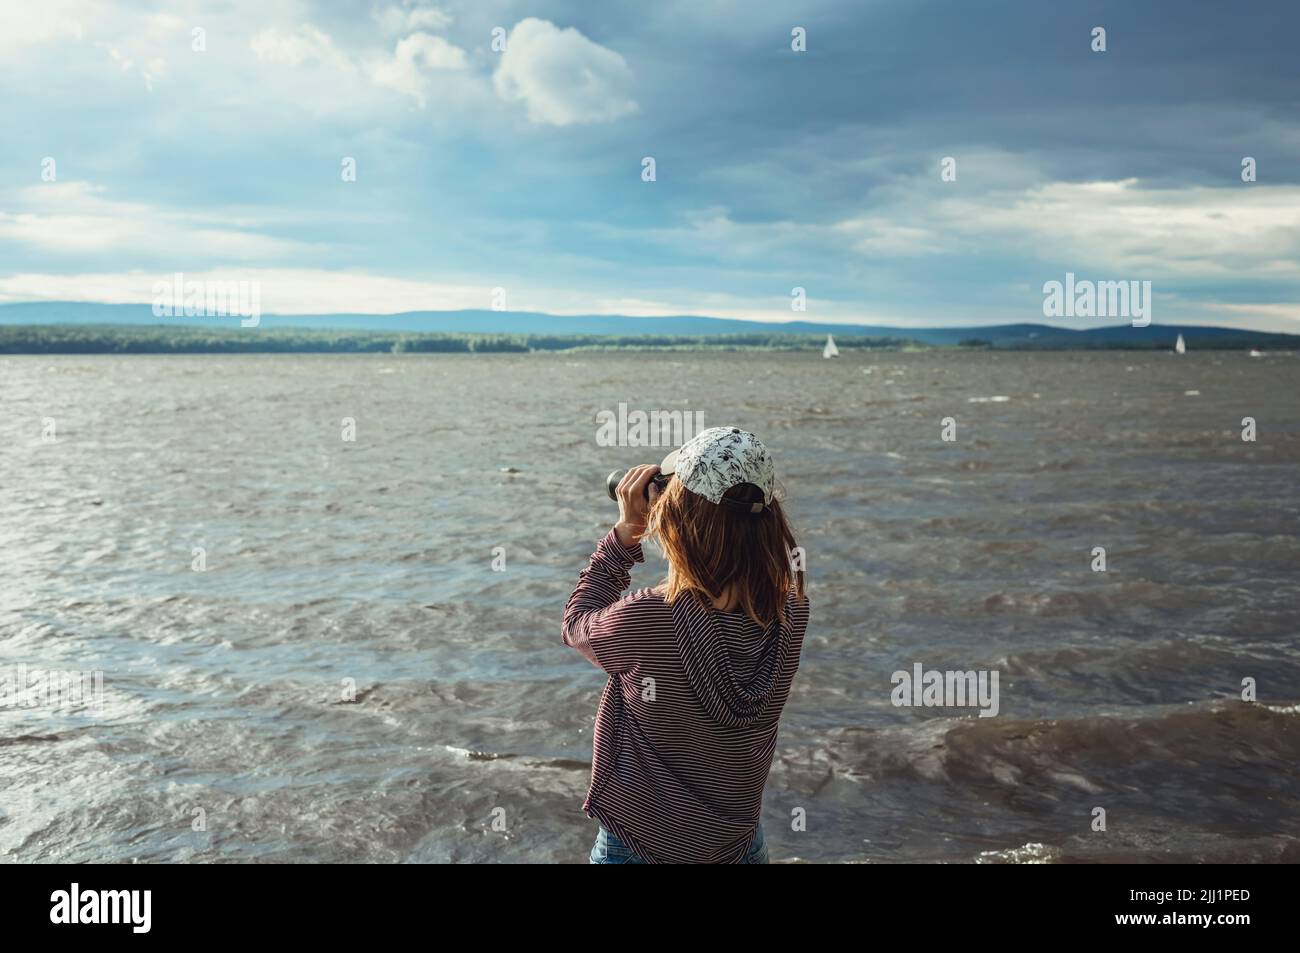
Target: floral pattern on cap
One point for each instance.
(715, 460)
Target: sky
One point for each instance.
(144, 139)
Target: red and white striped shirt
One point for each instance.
(687, 724)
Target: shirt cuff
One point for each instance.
(626, 555)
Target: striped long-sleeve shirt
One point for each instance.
(687, 723)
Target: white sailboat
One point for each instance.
(830, 350)
(1179, 346)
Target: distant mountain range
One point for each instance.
(532, 323)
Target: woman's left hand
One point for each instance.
(633, 504)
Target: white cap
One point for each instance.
(715, 460)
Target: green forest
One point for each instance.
(182, 339)
(158, 339)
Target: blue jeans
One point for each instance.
(608, 849)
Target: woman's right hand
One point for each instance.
(633, 504)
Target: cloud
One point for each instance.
(562, 77)
(1199, 232)
(402, 20)
(1122, 226)
(307, 44)
(323, 291)
(407, 70)
(282, 290)
(1283, 316)
(75, 219)
(23, 26)
(72, 23)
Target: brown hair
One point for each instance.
(711, 546)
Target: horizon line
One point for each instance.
(163, 320)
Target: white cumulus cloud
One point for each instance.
(407, 70)
(562, 77)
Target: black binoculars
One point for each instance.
(612, 481)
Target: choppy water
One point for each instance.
(372, 560)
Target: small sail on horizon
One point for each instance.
(830, 350)
(1179, 346)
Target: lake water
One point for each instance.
(371, 560)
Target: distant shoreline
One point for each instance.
(38, 339)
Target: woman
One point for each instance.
(700, 666)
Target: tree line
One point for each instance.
(159, 339)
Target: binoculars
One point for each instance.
(612, 481)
